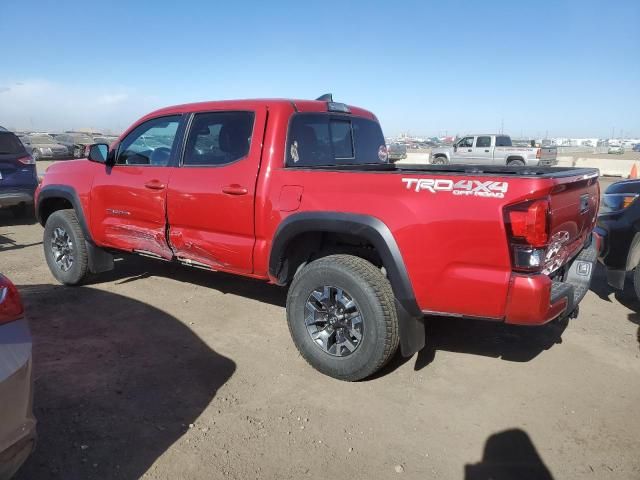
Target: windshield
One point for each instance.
(41, 139)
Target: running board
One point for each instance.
(145, 253)
(192, 263)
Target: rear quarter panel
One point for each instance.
(453, 246)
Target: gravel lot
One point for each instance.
(162, 372)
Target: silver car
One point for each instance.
(17, 423)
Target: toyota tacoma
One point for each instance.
(300, 193)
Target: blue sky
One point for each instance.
(567, 67)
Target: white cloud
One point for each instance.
(43, 105)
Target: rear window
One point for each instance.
(320, 139)
(503, 141)
(10, 144)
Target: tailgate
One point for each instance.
(574, 203)
(548, 153)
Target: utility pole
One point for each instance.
(501, 125)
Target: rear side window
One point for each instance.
(483, 142)
(218, 138)
(320, 139)
(503, 141)
(10, 144)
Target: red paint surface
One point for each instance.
(454, 247)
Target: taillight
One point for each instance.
(10, 304)
(527, 226)
(28, 160)
(539, 153)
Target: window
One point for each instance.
(503, 141)
(466, 142)
(218, 138)
(150, 143)
(9, 144)
(320, 139)
(483, 142)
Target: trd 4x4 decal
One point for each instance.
(474, 188)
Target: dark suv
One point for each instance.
(18, 177)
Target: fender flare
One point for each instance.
(69, 194)
(410, 317)
(99, 259)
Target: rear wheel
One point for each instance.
(515, 163)
(64, 247)
(342, 317)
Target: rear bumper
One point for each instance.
(16, 195)
(17, 423)
(536, 299)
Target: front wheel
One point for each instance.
(439, 161)
(64, 247)
(342, 317)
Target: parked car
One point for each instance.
(616, 149)
(305, 197)
(76, 143)
(396, 152)
(43, 147)
(493, 149)
(18, 176)
(108, 139)
(17, 423)
(636, 147)
(618, 231)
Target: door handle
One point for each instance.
(470, 150)
(154, 185)
(234, 189)
(487, 151)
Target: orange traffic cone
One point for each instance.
(634, 171)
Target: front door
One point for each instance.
(463, 151)
(210, 201)
(128, 199)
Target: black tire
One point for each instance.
(67, 221)
(636, 281)
(439, 161)
(515, 163)
(372, 294)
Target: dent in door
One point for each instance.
(290, 198)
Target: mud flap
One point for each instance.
(411, 330)
(99, 260)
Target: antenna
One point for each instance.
(327, 97)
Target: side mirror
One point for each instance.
(455, 147)
(98, 152)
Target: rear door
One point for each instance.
(210, 201)
(483, 150)
(17, 169)
(128, 199)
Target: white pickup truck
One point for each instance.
(493, 149)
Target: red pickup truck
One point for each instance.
(301, 193)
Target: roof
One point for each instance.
(270, 103)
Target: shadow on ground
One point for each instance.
(508, 455)
(130, 268)
(481, 337)
(626, 297)
(117, 382)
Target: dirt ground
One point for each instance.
(161, 372)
